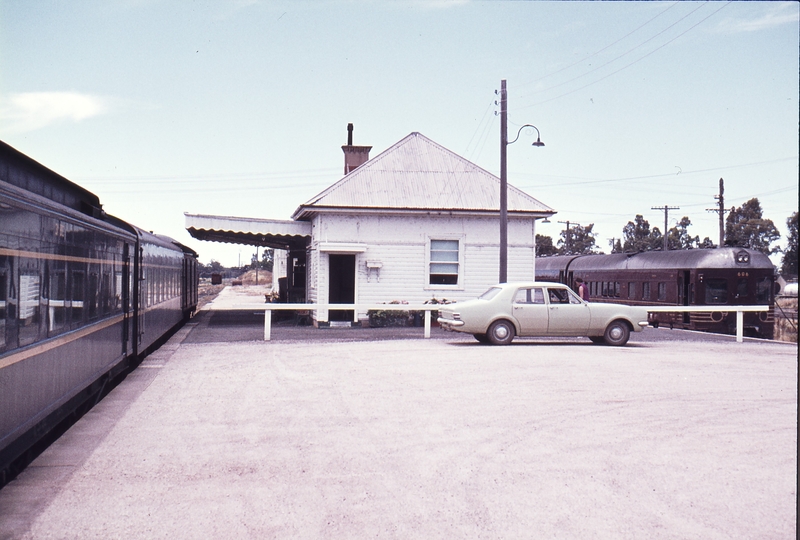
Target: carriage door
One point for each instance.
(140, 291)
(126, 297)
(341, 285)
(684, 288)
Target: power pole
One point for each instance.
(666, 210)
(721, 211)
(503, 183)
(569, 235)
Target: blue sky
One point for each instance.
(240, 107)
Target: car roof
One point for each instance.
(518, 284)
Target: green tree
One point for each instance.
(577, 240)
(746, 227)
(707, 243)
(679, 237)
(637, 236)
(616, 245)
(789, 262)
(544, 246)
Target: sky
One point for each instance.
(240, 108)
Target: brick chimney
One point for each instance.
(354, 156)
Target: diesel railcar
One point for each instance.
(83, 297)
(716, 278)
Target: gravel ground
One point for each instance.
(321, 437)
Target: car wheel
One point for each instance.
(501, 332)
(482, 338)
(597, 340)
(617, 333)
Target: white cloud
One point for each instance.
(777, 15)
(29, 111)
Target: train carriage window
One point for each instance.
(57, 306)
(741, 288)
(716, 291)
(3, 303)
(764, 290)
(616, 289)
(29, 308)
(78, 294)
(646, 290)
(631, 290)
(91, 299)
(662, 291)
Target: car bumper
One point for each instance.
(449, 324)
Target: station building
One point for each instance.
(414, 223)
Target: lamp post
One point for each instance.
(504, 177)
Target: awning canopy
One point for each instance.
(277, 234)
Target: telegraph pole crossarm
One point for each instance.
(666, 210)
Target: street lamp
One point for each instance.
(504, 177)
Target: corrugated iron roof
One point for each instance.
(419, 174)
(280, 234)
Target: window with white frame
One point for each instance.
(444, 262)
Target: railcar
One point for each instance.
(83, 297)
(716, 278)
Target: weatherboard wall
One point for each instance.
(392, 255)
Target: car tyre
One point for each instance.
(500, 332)
(617, 333)
(482, 338)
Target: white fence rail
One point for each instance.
(427, 308)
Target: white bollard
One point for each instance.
(740, 326)
(427, 324)
(267, 324)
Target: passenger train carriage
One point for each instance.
(83, 297)
(715, 278)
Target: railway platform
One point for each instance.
(353, 433)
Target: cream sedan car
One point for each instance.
(541, 309)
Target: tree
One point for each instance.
(637, 236)
(679, 237)
(577, 240)
(789, 262)
(267, 260)
(745, 227)
(707, 243)
(616, 245)
(544, 246)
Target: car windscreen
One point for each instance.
(491, 293)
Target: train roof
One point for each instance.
(726, 257)
(25, 173)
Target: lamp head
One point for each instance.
(538, 142)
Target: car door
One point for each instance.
(568, 315)
(530, 310)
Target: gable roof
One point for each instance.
(416, 174)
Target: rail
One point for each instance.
(427, 308)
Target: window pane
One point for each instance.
(444, 268)
(763, 290)
(444, 256)
(741, 288)
(716, 291)
(631, 289)
(662, 291)
(446, 245)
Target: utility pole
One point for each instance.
(721, 211)
(666, 210)
(569, 235)
(503, 183)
